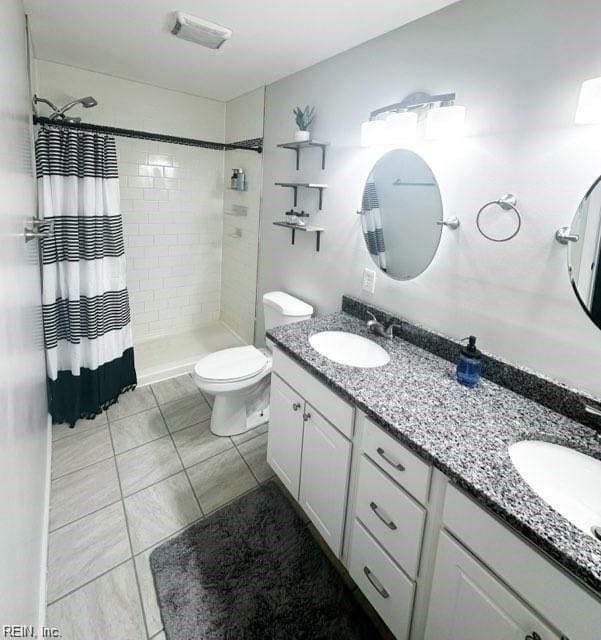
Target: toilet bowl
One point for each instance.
(239, 380)
(239, 377)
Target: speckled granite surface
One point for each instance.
(549, 393)
(464, 432)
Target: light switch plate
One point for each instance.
(369, 280)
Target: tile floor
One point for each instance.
(122, 484)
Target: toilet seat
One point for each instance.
(231, 365)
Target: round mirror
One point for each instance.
(401, 214)
(584, 253)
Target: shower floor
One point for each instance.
(169, 356)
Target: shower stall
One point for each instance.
(191, 241)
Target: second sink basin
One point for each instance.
(567, 480)
(350, 349)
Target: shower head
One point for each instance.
(59, 113)
(88, 101)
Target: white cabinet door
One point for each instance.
(285, 439)
(470, 603)
(324, 477)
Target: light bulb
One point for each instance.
(445, 122)
(374, 132)
(401, 127)
(589, 102)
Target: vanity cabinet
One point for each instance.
(310, 454)
(430, 559)
(469, 603)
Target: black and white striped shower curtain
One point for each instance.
(87, 330)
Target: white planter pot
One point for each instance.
(302, 136)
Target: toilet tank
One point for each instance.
(282, 308)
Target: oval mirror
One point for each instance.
(584, 253)
(401, 214)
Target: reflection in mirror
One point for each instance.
(401, 214)
(584, 254)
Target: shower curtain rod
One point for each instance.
(254, 144)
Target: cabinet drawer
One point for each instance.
(392, 517)
(381, 581)
(334, 408)
(412, 473)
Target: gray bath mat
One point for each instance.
(252, 571)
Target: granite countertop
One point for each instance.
(463, 432)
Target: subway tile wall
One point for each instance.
(240, 245)
(172, 205)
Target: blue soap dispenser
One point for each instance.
(469, 364)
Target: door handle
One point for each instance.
(306, 417)
(387, 521)
(376, 584)
(296, 406)
(32, 229)
(391, 461)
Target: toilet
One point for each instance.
(239, 377)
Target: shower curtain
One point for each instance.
(371, 221)
(85, 304)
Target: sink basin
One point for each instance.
(567, 480)
(350, 349)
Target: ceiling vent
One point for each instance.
(203, 32)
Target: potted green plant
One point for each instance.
(304, 119)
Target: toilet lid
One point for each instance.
(231, 365)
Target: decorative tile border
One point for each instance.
(551, 394)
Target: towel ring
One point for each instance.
(508, 202)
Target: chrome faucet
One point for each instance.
(376, 327)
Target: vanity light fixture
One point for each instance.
(398, 123)
(589, 102)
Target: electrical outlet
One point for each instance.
(369, 280)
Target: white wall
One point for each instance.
(131, 105)
(23, 409)
(244, 116)
(244, 120)
(517, 67)
(171, 195)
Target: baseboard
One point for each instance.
(163, 373)
(46, 528)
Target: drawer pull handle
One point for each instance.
(376, 584)
(532, 636)
(306, 417)
(387, 458)
(296, 406)
(387, 521)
